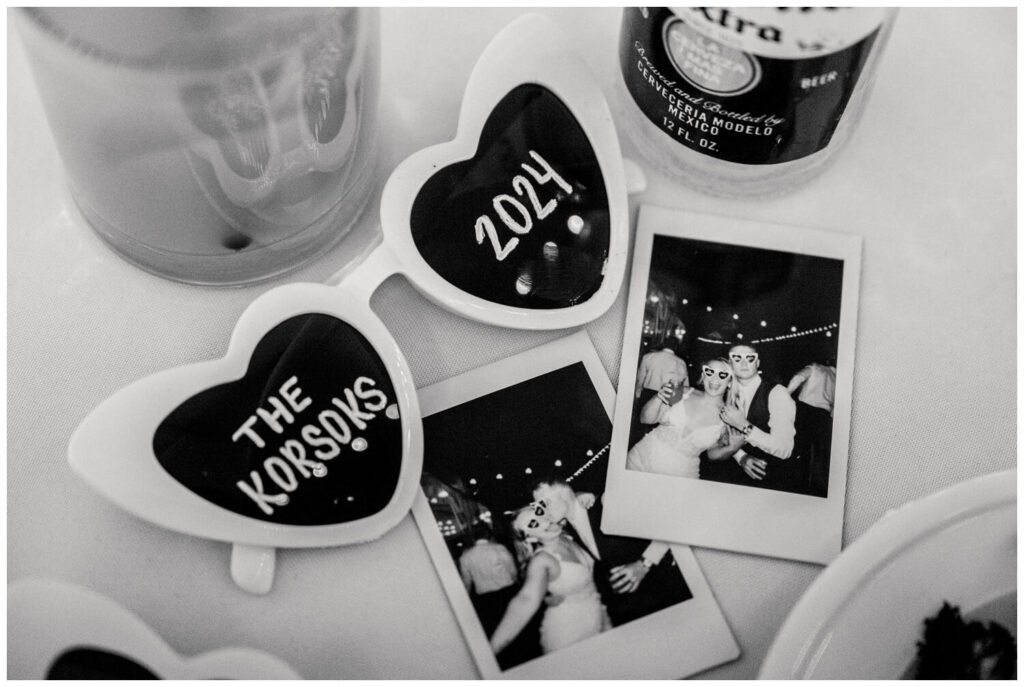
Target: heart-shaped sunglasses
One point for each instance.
(67, 632)
(307, 433)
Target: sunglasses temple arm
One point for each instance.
(252, 567)
(364, 274)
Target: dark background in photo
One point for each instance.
(704, 297)
(483, 457)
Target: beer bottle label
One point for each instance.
(754, 86)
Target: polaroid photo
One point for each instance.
(515, 457)
(732, 418)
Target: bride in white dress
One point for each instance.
(687, 426)
(556, 568)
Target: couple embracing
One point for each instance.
(585, 581)
(742, 424)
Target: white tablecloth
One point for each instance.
(928, 181)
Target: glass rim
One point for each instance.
(270, 43)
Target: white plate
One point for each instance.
(862, 617)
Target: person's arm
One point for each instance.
(778, 440)
(654, 410)
(735, 418)
(524, 604)
(627, 578)
(586, 499)
(756, 468)
(654, 552)
(728, 444)
(798, 379)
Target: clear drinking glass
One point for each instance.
(212, 145)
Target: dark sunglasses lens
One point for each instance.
(305, 350)
(537, 226)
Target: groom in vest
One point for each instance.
(765, 413)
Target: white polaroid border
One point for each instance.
(674, 642)
(720, 515)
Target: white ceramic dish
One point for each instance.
(862, 617)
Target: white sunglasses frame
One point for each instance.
(127, 472)
(54, 617)
(531, 50)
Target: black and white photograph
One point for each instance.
(730, 370)
(515, 457)
(671, 328)
(736, 376)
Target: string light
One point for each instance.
(558, 463)
(796, 334)
(590, 462)
(781, 337)
(648, 328)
